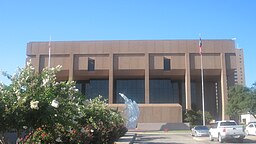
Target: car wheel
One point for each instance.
(210, 137)
(220, 138)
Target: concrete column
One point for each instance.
(71, 67)
(111, 78)
(37, 64)
(224, 94)
(187, 82)
(146, 77)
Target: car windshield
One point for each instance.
(201, 128)
(252, 123)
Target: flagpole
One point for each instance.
(49, 52)
(202, 79)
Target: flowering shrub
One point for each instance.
(96, 124)
(51, 112)
(106, 124)
(28, 100)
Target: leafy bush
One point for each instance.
(196, 117)
(107, 124)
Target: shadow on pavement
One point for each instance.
(145, 139)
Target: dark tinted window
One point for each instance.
(214, 125)
(227, 123)
(167, 64)
(93, 88)
(163, 91)
(91, 64)
(133, 89)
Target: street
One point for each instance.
(180, 138)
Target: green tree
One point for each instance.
(240, 101)
(250, 107)
(196, 117)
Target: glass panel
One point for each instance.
(91, 64)
(163, 91)
(193, 95)
(134, 89)
(167, 63)
(93, 88)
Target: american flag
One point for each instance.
(200, 46)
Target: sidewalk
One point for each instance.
(131, 135)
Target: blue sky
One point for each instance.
(30, 20)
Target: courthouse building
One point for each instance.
(162, 76)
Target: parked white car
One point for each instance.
(250, 129)
(200, 131)
(227, 129)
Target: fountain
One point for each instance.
(131, 112)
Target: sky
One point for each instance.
(31, 20)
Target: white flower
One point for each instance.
(24, 99)
(58, 66)
(45, 81)
(17, 92)
(92, 130)
(34, 105)
(55, 115)
(58, 140)
(25, 127)
(18, 97)
(82, 130)
(28, 62)
(55, 104)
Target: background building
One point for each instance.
(163, 76)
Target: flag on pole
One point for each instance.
(200, 46)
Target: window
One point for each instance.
(91, 64)
(227, 123)
(163, 91)
(133, 89)
(93, 88)
(214, 125)
(167, 64)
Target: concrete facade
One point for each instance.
(147, 60)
